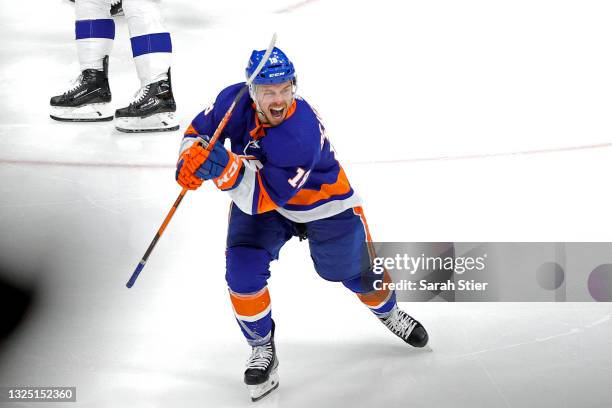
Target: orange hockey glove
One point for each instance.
(190, 161)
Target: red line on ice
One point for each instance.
(392, 161)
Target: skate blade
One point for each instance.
(93, 112)
(259, 391)
(160, 122)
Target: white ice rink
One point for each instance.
(455, 120)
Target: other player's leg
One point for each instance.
(88, 97)
(153, 107)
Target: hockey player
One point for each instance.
(89, 97)
(284, 180)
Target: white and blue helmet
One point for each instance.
(276, 70)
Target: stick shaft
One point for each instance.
(156, 238)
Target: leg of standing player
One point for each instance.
(153, 107)
(253, 241)
(89, 96)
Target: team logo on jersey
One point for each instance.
(208, 109)
(252, 145)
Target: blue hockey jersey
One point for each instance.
(289, 168)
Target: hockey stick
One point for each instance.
(211, 144)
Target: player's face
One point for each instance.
(274, 101)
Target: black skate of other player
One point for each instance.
(152, 109)
(116, 8)
(87, 100)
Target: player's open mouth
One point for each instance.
(277, 113)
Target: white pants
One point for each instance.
(146, 26)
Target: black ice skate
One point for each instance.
(261, 375)
(406, 328)
(87, 100)
(116, 8)
(152, 109)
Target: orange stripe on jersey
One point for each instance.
(191, 130)
(307, 197)
(264, 202)
(359, 211)
(250, 305)
(375, 298)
